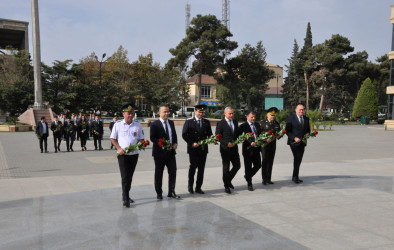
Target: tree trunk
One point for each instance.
(322, 93)
(199, 88)
(307, 91)
(249, 101)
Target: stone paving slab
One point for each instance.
(73, 200)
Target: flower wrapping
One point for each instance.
(141, 145)
(214, 139)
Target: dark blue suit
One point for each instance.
(192, 133)
(228, 154)
(295, 129)
(163, 157)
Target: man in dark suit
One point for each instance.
(228, 128)
(111, 125)
(42, 132)
(297, 126)
(57, 129)
(83, 127)
(159, 130)
(250, 151)
(268, 152)
(98, 131)
(69, 133)
(195, 130)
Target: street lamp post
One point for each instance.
(277, 85)
(100, 63)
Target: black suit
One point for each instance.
(43, 136)
(251, 154)
(268, 152)
(69, 134)
(228, 154)
(83, 128)
(193, 133)
(163, 157)
(57, 134)
(295, 129)
(98, 131)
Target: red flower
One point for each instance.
(160, 142)
(215, 143)
(218, 137)
(315, 132)
(284, 131)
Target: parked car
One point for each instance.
(381, 117)
(218, 114)
(187, 111)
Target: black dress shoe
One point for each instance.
(173, 195)
(42, 152)
(264, 182)
(159, 197)
(95, 149)
(72, 149)
(126, 203)
(131, 200)
(46, 151)
(270, 182)
(55, 151)
(83, 149)
(250, 187)
(227, 190)
(199, 191)
(190, 189)
(68, 150)
(100, 148)
(230, 185)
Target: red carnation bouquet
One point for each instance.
(70, 128)
(261, 140)
(309, 135)
(164, 144)
(58, 127)
(214, 139)
(141, 145)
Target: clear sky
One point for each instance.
(72, 29)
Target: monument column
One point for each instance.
(36, 56)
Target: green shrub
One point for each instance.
(365, 103)
(12, 119)
(314, 116)
(282, 116)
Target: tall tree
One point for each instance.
(16, 82)
(207, 41)
(329, 57)
(57, 81)
(306, 56)
(247, 73)
(293, 86)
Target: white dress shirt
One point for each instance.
(127, 134)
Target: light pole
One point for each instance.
(100, 62)
(277, 85)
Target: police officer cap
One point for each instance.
(128, 108)
(200, 107)
(272, 111)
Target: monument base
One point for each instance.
(32, 116)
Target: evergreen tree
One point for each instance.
(293, 87)
(365, 103)
(306, 57)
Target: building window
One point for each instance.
(205, 91)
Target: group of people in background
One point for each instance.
(165, 143)
(70, 128)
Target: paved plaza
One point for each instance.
(72, 200)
